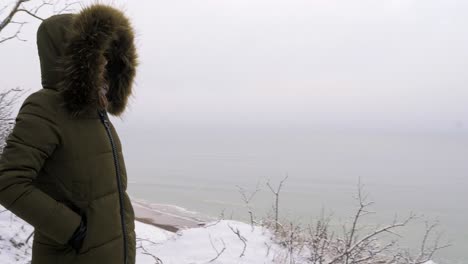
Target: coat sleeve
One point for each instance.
(32, 140)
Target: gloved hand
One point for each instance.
(76, 240)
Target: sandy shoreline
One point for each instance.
(167, 217)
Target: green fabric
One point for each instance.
(34, 138)
(51, 37)
(55, 165)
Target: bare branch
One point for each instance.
(21, 6)
(7, 100)
(146, 252)
(12, 13)
(247, 198)
(30, 13)
(277, 195)
(16, 34)
(242, 238)
(218, 252)
(67, 7)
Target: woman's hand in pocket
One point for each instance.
(76, 240)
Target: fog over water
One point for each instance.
(199, 167)
(237, 92)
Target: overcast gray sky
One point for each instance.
(347, 63)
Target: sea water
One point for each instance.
(203, 168)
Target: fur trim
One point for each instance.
(98, 34)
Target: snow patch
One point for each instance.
(203, 244)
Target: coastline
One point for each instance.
(168, 217)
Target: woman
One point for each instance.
(62, 169)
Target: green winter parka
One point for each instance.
(58, 163)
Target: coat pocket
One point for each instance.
(103, 222)
(44, 252)
(44, 240)
(43, 245)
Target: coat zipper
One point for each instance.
(105, 121)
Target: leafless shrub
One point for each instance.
(276, 192)
(427, 249)
(8, 99)
(319, 238)
(247, 197)
(358, 244)
(241, 238)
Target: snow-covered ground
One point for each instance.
(203, 244)
(220, 242)
(195, 245)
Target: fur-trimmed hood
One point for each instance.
(80, 52)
